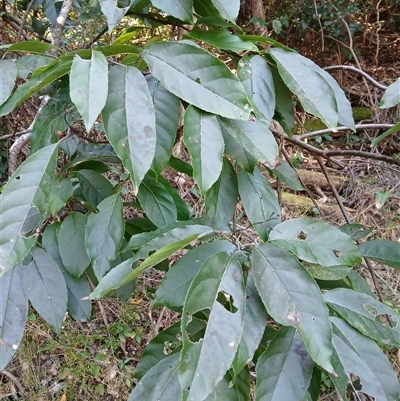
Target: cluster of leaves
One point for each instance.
(292, 304)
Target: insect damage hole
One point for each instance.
(227, 301)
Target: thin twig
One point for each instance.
(14, 380)
(361, 72)
(24, 17)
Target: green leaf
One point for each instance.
(26, 193)
(258, 82)
(384, 251)
(13, 314)
(26, 90)
(360, 356)
(253, 328)
(112, 13)
(284, 370)
(229, 9)
(71, 242)
(310, 85)
(180, 9)
(356, 231)
(45, 287)
(199, 78)
(236, 150)
(95, 188)
(316, 242)
(157, 202)
(174, 286)
(27, 64)
(89, 86)
(358, 283)
(222, 197)
(50, 120)
(391, 97)
(217, 287)
(60, 193)
(8, 74)
(32, 46)
(255, 137)
(160, 383)
(293, 298)
(390, 131)
(104, 234)
(363, 313)
(221, 39)
(165, 244)
(203, 138)
(259, 202)
(288, 175)
(129, 121)
(168, 109)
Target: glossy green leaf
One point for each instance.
(253, 327)
(60, 193)
(180, 9)
(79, 308)
(258, 82)
(384, 251)
(94, 186)
(255, 137)
(221, 39)
(391, 97)
(363, 313)
(129, 121)
(259, 202)
(236, 150)
(218, 283)
(310, 86)
(49, 121)
(199, 78)
(316, 242)
(360, 356)
(89, 86)
(104, 234)
(8, 74)
(229, 9)
(165, 243)
(168, 110)
(174, 286)
(293, 298)
(26, 90)
(222, 197)
(203, 139)
(71, 242)
(26, 193)
(288, 176)
(284, 370)
(33, 46)
(45, 287)
(157, 202)
(13, 314)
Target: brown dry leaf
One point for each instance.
(63, 397)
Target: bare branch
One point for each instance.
(25, 16)
(61, 19)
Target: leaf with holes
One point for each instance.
(258, 82)
(88, 86)
(293, 298)
(71, 242)
(157, 202)
(13, 314)
(219, 288)
(357, 355)
(24, 205)
(203, 138)
(104, 233)
(174, 286)
(259, 202)
(199, 78)
(129, 121)
(316, 242)
(362, 312)
(45, 287)
(287, 356)
(383, 251)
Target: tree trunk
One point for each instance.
(252, 9)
